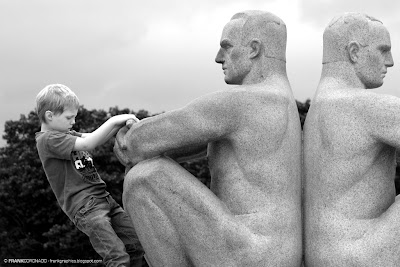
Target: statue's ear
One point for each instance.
(353, 49)
(255, 45)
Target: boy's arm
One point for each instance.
(89, 141)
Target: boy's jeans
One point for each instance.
(110, 231)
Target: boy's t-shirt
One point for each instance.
(71, 174)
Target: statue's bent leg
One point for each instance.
(382, 243)
(180, 222)
(378, 244)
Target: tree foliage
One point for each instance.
(303, 109)
(32, 225)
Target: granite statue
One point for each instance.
(251, 215)
(350, 139)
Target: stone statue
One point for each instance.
(352, 214)
(251, 215)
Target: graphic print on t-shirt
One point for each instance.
(84, 164)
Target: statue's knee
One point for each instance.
(144, 180)
(146, 172)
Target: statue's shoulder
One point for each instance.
(367, 98)
(253, 97)
(266, 93)
(344, 96)
(361, 102)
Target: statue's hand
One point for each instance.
(120, 147)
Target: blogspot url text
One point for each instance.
(52, 261)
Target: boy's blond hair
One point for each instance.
(55, 98)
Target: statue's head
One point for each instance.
(248, 37)
(362, 41)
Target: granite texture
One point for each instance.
(251, 216)
(352, 216)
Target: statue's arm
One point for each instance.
(381, 115)
(188, 153)
(180, 133)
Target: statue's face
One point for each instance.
(232, 54)
(375, 58)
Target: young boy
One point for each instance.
(79, 190)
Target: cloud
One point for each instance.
(155, 55)
(320, 12)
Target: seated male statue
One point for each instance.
(251, 215)
(352, 214)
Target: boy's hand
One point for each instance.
(130, 122)
(125, 119)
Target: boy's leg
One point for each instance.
(93, 220)
(123, 227)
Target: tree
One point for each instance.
(303, 109)
(32, 223)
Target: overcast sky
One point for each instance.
(155, 55)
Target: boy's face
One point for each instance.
(63, 122)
